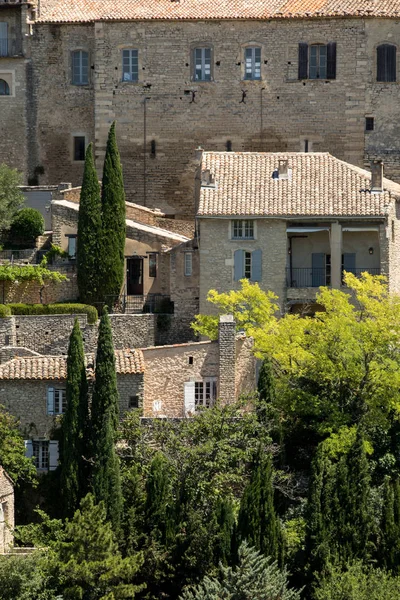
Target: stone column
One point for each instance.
(227, 358)
(336, 255)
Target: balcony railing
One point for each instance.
(315, 277)
(146, 304)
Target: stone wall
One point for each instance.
(31, 292)
(227, 358)
(6, 512)
(277, 113)
(185, 288)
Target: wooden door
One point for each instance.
(134, 276)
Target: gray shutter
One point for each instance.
(318, 269)
(53, 455)
(3, 39)
(28, 448)
(256, 265)
(331, 61)
(238, 272)
(303, 60)
(50, 401)
(190, 405)
(349, 263)
(390, 63)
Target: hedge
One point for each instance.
(5, 311)
(52, 309)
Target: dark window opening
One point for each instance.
(79, 147)
(369, 123)
(386, 62)
(134, 402)
(152, 264)
(153, 148)
(229, 146)
(305, 145)
(190, 360)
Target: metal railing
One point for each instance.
(27, 254)
(151, 303)
(315, 277)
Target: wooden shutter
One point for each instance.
(303, 60)
(318, 269)
(189, 399)
(28, 448)
(331, 61)
(390, 62)
(53, 455)
(50, 401)
(3, 39)
(349, 262)
(256, 265)
(238, 269)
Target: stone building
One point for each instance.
(6, 512)
(278, 76)
(293, 222)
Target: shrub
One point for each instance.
(55, 309)
(27, 225)
(5, 311)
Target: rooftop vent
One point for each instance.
(283, 169)
(377, 176)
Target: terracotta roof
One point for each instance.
(319, 185)
(129, 10)
(55, 367)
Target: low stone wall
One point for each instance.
(31, 292)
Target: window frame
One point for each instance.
(80, 80)
(188, 272)
(205, 392)
(202, 48)
(6, 87)
(317, 48)
(305, 51)
(247, 229)
(58, 403)
(253, 48)
(76, 136)
(5, 49)
(153, 265)
(71, 236)
(395, 48)
(41, 454)
(131, 71)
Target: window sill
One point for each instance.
(129, 82)
(86, 86)
(243, 239)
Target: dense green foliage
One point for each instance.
(5, 311)
(54, 309)
(25, 578)
(26, 226)
(112, 248)
(11, 197)
(37, 273)
(12, 450)
(89, 234)
(75, 427)
(358, 582)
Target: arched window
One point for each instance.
(4, 88)
(80, 67)
(386, 62)
(252, 62)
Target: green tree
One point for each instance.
(255, 578)
(26, 577)
(87, 561)
(388, 553)
(89, 234)
(159, 500)
(11, 197)
(225, 530)
(111, 266)
(74, 426)
(12, 450)
(258, 524)
(26, 226)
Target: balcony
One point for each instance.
(315, 277)
(145, 304)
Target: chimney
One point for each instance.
(283, 169)
(377, 176)
(206, 178)
(227, 358)
(199, 154)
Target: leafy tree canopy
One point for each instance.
(12, 450)
(11, 197)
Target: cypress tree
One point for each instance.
(111, 266)
(73, 426)
(266, 392)
(388, 550)
(225, 525)
(159, 501)
(104, 423)
(89, 234)
(257, 522)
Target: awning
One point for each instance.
(306, 229)
(369, 228)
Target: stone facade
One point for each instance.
(6, 512)
(277, 113)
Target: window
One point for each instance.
(202, 64)
(247, 265)
(41, 454)
(369, 123)
(134, 402)
(242, 229)
(386, 62)
(4, 88)
(205, 392)
(80, 67)
(152, 264)
(56, 401)
(130, 65)
(71, 246)
(317, 61)
(252, 63)
(188, 264)
(3, 38)
(79, 147)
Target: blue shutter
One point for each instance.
(53, 455)
(28, 448)
(349, 263)
(303, 61)
(50, 401)
(318, 269)
(256, 265)
(238, 265)
(189, 398)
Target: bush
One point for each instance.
(55, 309)
(27, 225)
(5, 311)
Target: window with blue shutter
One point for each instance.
(238, 269)
(317, 61)
(318, 271)
(256, 265)
(3, 38)
(303, 60)
(50, 401)
(53, 455)
(348, 263)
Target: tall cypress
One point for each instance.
(73, 427)
(387, 552)
(89, 234)
(111, 266)
(104, 422)
(225, 525)
(159, 502)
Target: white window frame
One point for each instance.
(202, 64)
(252, 64)
(56, 400)
(80, 71)
(243, 229)
(130, 65)
(188, 262)
(205, 392)
(41, 454)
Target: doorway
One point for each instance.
(134, 276)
